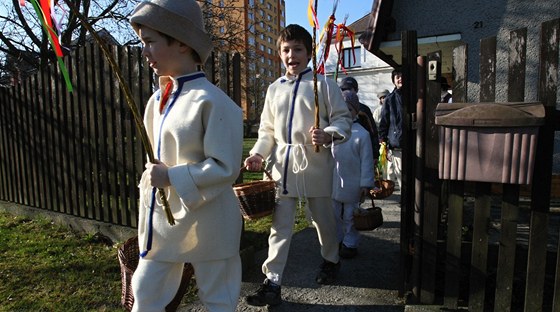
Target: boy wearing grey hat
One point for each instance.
(350, 83)
(197, 163)
(352, 178)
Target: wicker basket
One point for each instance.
(368, 219)
(384, 188)
(256, 198)
(128, 255)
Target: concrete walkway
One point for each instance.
(368, 282)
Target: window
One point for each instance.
(251, 40)
(348, 56)
(250, 16)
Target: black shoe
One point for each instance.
(347, 252)
(328, 272)
(267, 294)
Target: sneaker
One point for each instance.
(328, 272)
(347, 252)
(267, 294)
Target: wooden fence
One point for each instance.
(75, 153)
(463, 245)
(78, 153)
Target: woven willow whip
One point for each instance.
(129, 100)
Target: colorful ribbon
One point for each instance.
(44, 10)
(343, 31)
(325, 40)
(312, 15)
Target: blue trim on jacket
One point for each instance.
(290, 123)
(180, 82)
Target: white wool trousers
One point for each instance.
(155, 284)
(395, 165)
(281, 232)
(345, 230)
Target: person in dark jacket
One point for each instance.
(367, 121)
(390, 127)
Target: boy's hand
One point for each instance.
(319, 137)
(254, 162)
(156, 173)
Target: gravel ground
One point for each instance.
(368, 282)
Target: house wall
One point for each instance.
(476, 20)
(373, 75)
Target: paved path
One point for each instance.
(368, 282)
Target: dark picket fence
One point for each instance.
(79, 152)
(480, 245)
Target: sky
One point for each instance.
(296, 11)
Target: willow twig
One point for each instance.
(315, 92)
(129, 100)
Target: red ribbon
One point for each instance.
(342, 31)
(165, 96)
(46, 8)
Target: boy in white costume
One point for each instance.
(353, 177)
(287, 133)
(197, 136)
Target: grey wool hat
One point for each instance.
(382, 93)
(348, 83)
(181, 20)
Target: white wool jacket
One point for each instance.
(200, 137)
(288, 114)
(354, 166)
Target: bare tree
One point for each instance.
(24, 45)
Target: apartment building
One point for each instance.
(255, 25)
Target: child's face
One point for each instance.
(295, 56)
(163, 57)
(397, 81)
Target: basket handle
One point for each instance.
(371, 197)
(243, 169)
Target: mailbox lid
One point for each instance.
(516, 114)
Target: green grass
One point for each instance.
(48, 267)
